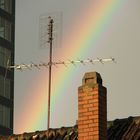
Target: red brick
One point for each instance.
(93, 125)
(90, 129)
(93, 108)
(90, 137)
(83, 118)
(88, 121)
(82, 94)
(88, 97)
(95, 96)
(95, 100)
(88, 113)
(96, 104)
(91, 101)
(96, 120)
(87, 105)
(82, 126)
(95, 89)
(82, 102)
(96, 112)
(95, 92)
(82, 134)
(86, 130)
(93, 133)
(95, 116)
(81, 129)
(80, 106)
(83, 110)
(96, 128)
(96, 124)
(92, 117)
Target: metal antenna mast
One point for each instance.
(52, 63)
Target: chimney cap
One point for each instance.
(92, 78)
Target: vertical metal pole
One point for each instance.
(50, 68)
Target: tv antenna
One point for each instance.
(51, 63)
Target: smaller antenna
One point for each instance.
(44, 21)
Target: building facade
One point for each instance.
(7, 32)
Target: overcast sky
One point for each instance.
(117, 34)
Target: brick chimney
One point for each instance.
(92, 108)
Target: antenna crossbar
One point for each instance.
(65, 63)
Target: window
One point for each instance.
(5, 57)
(6, 5)
(2, 4)
(5, 87)
(1, 27)
(4, 116)
(5, 29)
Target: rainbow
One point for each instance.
(85, 33)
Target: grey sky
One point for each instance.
(120, 40)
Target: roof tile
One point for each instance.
(119, 129)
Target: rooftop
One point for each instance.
(119, 129)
